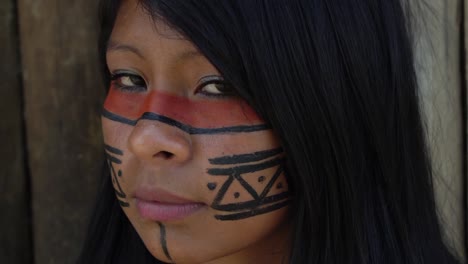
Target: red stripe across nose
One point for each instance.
(201, 112)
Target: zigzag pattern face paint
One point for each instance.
(193, 116)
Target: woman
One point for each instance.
(271, 131)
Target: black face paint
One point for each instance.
(112, 154)
(184, 127)
(244, 158)
(260, 203)
(162, 238)
(212, 186)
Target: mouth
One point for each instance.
(159, 205)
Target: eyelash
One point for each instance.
(213, 79)
(204, 82)
(115, 77)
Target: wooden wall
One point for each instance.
(62, 97)
(50, 103)
(15, 231)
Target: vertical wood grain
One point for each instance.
(63, 96)
(15, 240)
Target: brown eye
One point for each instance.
(132, 80)
(215, 86)
(217, 89)
(129, 82)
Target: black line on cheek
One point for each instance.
(113, 150)
(186, 128)
(233, 207)
(222, 191)
(244, 158)
(123, 204)
(247, 186)
(111, 160)
(271, 182)
(118, 191)
(247, 214)
(162, 231)
(118, 118)
(245, 168)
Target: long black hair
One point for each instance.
(336, 81)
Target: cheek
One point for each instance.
(206, 113)
(211, 239)
(245, 191)
(115, 135)
(245, 176)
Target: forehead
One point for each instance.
(135, 27)
(132, 15)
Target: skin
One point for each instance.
(149, 153)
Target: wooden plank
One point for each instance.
(63, 96)
(15, 240)
(438, 49)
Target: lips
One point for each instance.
(160, 205)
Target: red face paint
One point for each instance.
(209, 113)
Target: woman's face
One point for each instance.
(196, 171)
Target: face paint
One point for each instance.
(193, 117)
(162, 231)
(245, 172)
(112, 155)
(180, 146)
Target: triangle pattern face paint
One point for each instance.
(236, 194)
(208, 116)
(241, 177)
(259, 180)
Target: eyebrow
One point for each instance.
(183, 56)
(187, 55)
(114, 46)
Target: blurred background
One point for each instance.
(50, 101)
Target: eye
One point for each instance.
(216, 89)
(215, 86)
(128, 81)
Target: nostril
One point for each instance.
(163, 154)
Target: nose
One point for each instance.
(159, 143)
